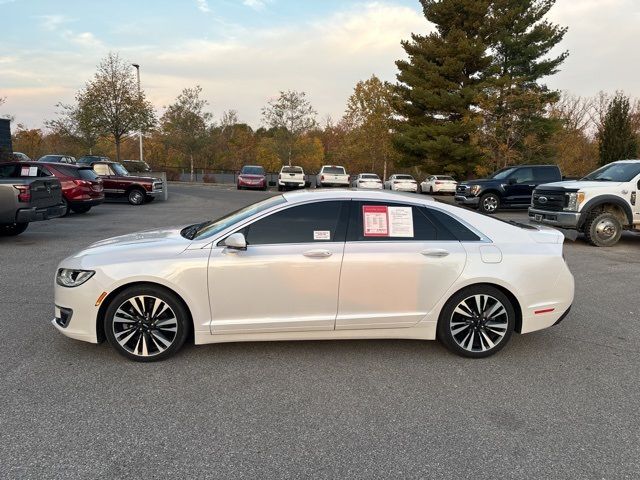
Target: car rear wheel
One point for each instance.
(12, 229)
(476, 322)
(146, 323)
(136, 196)
(489, 203)
(65, 206)
(81, 209)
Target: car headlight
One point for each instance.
(67, 277)
(474, 189)
(574, 199)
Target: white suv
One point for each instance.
(601, 205)
(332, 176)
(291, 177)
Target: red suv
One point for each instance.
(252, 176)
(81, 187)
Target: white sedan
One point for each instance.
(312, 265)
(439, 184)
(367, 180)
(401, 183)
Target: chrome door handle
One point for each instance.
(435, 252)
(317, 253)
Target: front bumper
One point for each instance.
(26, 215)
(473, 201)
(561, 219)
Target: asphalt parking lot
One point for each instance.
(561, 403)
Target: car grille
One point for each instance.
(462, 189)
(549, 200)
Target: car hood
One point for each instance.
(576, 185)
(479, 181)
(149, 242)
(142, 179)
(251, 175)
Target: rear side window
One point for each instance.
(87, 174)
(546, 174)
(388, 221)
(309, 223)
(9, 171)
(450, 227)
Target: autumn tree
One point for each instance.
(76, 124)
(438, 87)
(185, 124)
(368, 120)
(515, 101)
(616, 138)
(290, 115)
(113, 102)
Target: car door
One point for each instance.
(519, 187)
(287, 278)
(397, 264)
(109, 184)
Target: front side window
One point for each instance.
(522, 175)
(119, 169)
(316, 222)
(102, 169)
(503, 174)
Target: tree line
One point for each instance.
(469, 98)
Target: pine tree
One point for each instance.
(515, 103)
(438, 87)
(616, 138)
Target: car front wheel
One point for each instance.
(136, 196)
(489, 203)
(146, 323)
(603, 229)
(476, 322)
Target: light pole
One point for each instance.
(137, 67)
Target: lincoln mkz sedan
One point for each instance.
(341, 264)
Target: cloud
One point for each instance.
(203, 6)
(53, 22)
(255, 4)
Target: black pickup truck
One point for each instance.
(511, 187)
(26, 199)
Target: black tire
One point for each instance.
(489, 203)
(149, 199)
(148, 333)
(136, 196)
(485, 336)
(238, 187)
(431, 190)
(81, 209)
(602, 229)
(66, 210)
(12, 229)
(280, 188)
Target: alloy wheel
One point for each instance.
(136, 197)
(606, 229)
(479, 323)
(145, 325)
(490, 203)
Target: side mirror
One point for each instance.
(512, 181)
(236, 241)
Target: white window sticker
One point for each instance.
(400, 222)
(33, 171)
(321, 235)
(24, 172)
(375, 220)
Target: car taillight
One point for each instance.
(321, 177)
(82, 183)
(24, 194)
(439, 183)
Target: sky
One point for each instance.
(243, 52)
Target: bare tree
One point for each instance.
(292, 115)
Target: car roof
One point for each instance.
(301, 196)
(630, 160)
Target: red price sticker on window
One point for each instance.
(375, 219)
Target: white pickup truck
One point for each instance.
(291, 177)
(332, 176)
(600, 205)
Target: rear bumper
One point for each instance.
(26, 215)
(473, 201)
(405, 188)
(444, 188)
(89, 202)
(568, 220)
(292, 183)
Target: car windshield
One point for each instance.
(404, 177)
(504, 173)
(49, 158)
(615, 172)
(119, 169)
(444, 177)
(371, 176)
(208, 229)
(334, 170)
(252, 171)
(291, 170)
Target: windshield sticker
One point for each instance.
(375, 219)
(33, 171)
(400, 221)
(24, 172)
(321, 235)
